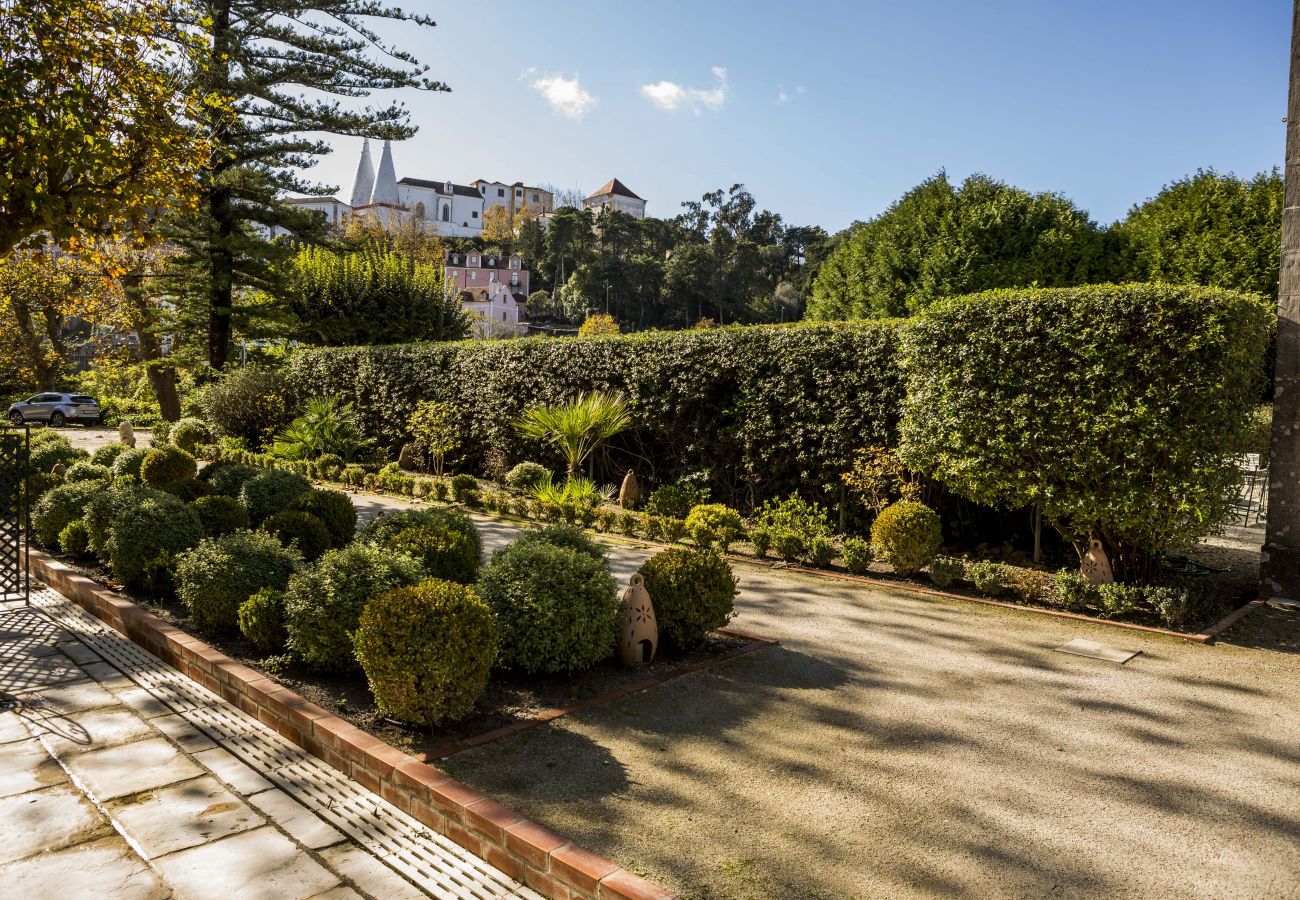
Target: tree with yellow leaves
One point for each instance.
(94, 133)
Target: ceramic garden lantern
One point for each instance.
(630, 494)
(638, 637)
(1096, 564)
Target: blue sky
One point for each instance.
(828, 111)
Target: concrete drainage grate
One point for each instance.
(1094, 650)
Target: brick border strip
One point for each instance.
(755, 643)
(526, 851)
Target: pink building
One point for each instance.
(476, 272)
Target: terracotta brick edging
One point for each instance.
(526, 851)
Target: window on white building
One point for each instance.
(501, 192)
(518, 193)
(474, 214)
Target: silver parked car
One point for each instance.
(55, 409)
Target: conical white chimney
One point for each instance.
(386, 182)
(364, 185)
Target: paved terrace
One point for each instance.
(122, 778)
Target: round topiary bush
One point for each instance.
(713, 523)
(463, 487)
(323, 604)
(857, 554)
(74, 539)
(335, 509)
(261, 620)
(427, 650)
(227, 478)
(526, 475)
(564, 536)
(302, 529)
(107, 454)
(85, 470)
(146, 531)
(557, 608)
(945, 571)
(189, 490)
(188, 434)
(447, 555)
(907, 535)
(220, 515)
(128, 462)
(216, 577)
(59, 506)
(48, 449)
(693, 592)
(674, 500)
(167, 465)
(270, 491)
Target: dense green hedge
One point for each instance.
(781, 407)
(1117, 408)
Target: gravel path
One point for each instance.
(907, 747)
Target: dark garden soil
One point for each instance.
(509, 699)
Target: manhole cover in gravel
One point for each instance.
(1094, 650)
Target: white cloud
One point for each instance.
(783, 96)
(566, 95)
(671, 96)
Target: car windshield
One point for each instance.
(81, 398)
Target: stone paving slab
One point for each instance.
(120, 777)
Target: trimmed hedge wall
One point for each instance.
(762, 410)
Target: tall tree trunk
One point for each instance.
(162, 375)
(221, 260)
(33, 343)
(1280, 562)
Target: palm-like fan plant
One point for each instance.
(579, 427)
(326, 426)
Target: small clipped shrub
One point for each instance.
(1118, 599)
(107, 454)
(945, 571)
(526, 475)
(261, 620)
(299, 529)
(796, 515)
(167, 465)
(821, 550)
(1028, 585)
(215, 578)
(227, 478)
(629, 523)
(564, 536)
(907, 535)
(671, 529)
(989, 578)
(1181, 607)
(1074, 592)
(74, 539)
(557, 608)
(189, 434)
(59, 506)
(652, 526)
(462, 486)
(693, 592)
(329, 466)
(674, 500)
(427, 650)
(323, 604)
(606, 519)
(335, 509)
(761, 538)
(270, 491)
(789, 545)
(128, 462)
(857, 555)
(85, 470)
(160, 434)
(220, 514)
(713, 524)
(354, 476)
(146, 531)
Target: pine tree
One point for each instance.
(282, 65)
